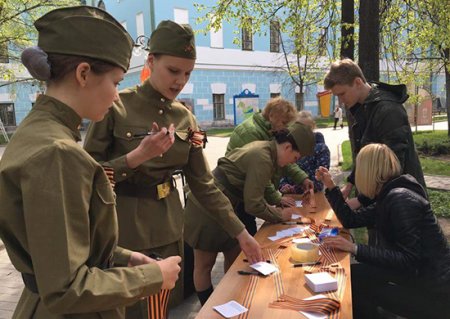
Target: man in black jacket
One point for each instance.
(379, 118)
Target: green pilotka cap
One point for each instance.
(303, 137)
(173, 39)
(85, 31)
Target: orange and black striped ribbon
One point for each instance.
(249, 294)
(320, 305)
(277, 276)
(157, 305)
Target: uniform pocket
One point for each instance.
(106, 194)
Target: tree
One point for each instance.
(307, 31)
(369, 39)
(17, 30)
(416, 37)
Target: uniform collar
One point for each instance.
(149, 92)
(66, 115)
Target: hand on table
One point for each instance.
(287, 201)
(340, 243)
(250, 247)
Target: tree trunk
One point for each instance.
(369, 39)
(347, 34)
(301, 100)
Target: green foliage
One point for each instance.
(307, 30)
(440, 202)
(434, 166)
(17, 30)
(415, 40)
(432, 143)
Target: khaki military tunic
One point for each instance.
(146, 222)
(247, 171)
(58, 223)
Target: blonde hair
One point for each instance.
(375, 165)
(343, 72)
(305, 117)
(282, 107)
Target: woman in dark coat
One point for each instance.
(408, 270)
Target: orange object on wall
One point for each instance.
(145, 73)
(324, 102)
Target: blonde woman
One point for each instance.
(408, 271)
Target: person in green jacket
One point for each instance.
(242, 175)
(57, 208)
(276, 115)
(149, 209)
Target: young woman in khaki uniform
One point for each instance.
(57, 212)
(242, 175)
(150, 213)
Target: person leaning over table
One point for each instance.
(408, 271)
(309, 164)
(57, 214)
(242, 175)
(276, 115)
(150, 213)
(379, 118)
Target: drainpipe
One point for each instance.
(152, 16)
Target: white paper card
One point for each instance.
(295, 216)
(314, 315)
(264, 268)
(230, 309)
(298, 203)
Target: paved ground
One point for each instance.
(11, 284)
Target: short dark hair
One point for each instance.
(284, 135)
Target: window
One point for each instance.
(140, 24)
(7, 114)
(181, 16)
(274, 36)
(219, 106)
(216, 38)
(4, 56)
(273, 95)
(247, 39)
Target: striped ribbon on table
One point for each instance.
(248, 297)
(157, 304)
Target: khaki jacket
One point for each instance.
(250, 169)
(146, 223)
(58, 222)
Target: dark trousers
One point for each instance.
(374, 287)
(336, 119)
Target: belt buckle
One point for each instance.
(163, 190)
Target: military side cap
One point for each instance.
(173, 39)
(303, 137)
(85, 31)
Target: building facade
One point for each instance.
(223, 69)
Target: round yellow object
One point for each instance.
(305, 252)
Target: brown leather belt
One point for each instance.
(157, 192)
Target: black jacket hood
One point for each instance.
(403, 181)
(387, 92)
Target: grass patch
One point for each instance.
(440, 202)
(440, 118)
(347, 163)
(220, 132)
(434, 166)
